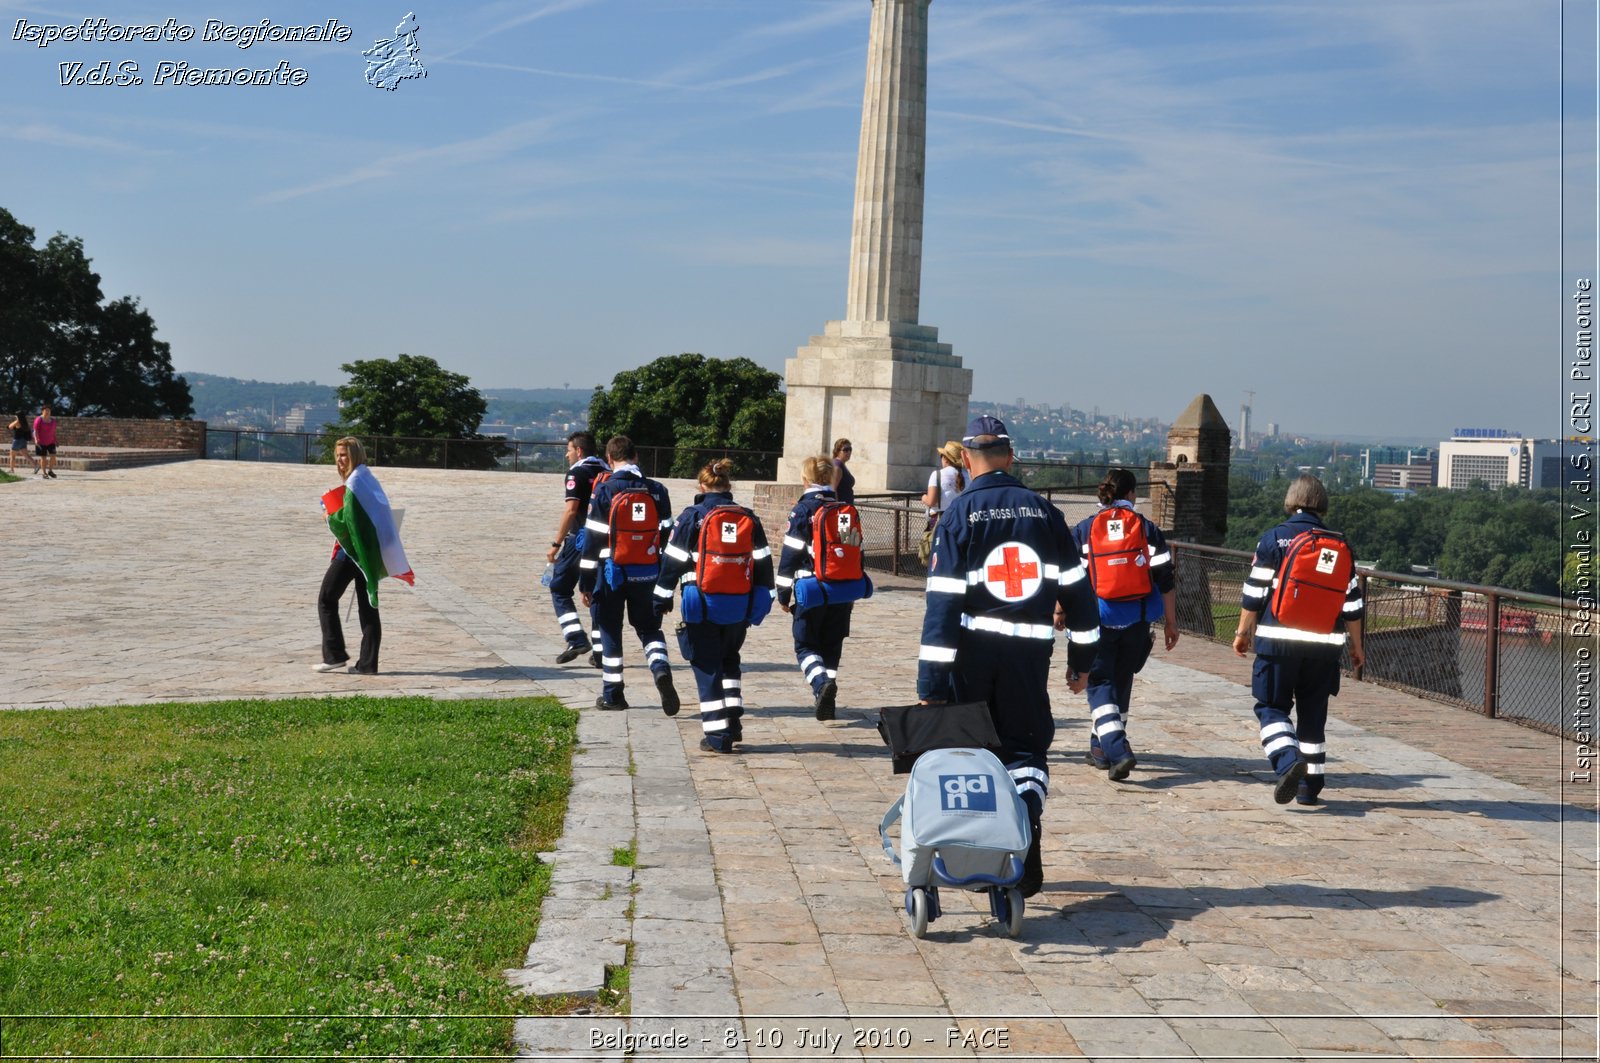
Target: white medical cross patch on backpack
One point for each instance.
(1327, 560)
(638, 512)
(730, 532)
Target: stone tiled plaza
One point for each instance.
(1441, 904)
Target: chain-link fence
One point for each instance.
(1492, 650)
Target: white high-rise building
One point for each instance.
(1499, 458)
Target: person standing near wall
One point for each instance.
(844, 481)
(44, 442)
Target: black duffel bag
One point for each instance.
(911, 730)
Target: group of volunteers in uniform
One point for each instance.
(1005, 575)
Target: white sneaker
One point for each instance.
(325, 667)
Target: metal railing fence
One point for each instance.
(1496, 651)
(509, 455)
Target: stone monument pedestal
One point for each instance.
(891, 388)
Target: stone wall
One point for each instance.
(139, 435)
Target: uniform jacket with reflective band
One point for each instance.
(1271, 637)
(795, 561)
(597, 528)
(1002, 558)
(1152, 608)
(683, 548)
(580, 480)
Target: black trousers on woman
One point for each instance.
(341, 573)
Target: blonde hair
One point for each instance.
(714, 477)
(1307, 493)
(817, 469)
(358, 452)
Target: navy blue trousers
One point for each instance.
(713, 654)
(563, 582)
(819, 636)
(1121, 653)
(1301, 686)
(638, 600)
(1013, 676)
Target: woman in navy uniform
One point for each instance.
(1125, 636)
(712, 648)
(819, 632)
(1295, 671)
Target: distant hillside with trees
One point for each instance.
(222, 398)
(1502, 537)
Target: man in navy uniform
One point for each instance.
(1296, 670)
(1003, 560)
(613, 584)
(565, 550)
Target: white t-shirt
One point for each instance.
(950, 484)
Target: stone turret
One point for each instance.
(1189, 491)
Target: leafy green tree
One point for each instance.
(62, 344)
(411, 399)
(701, 406)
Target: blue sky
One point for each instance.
(1350, 208)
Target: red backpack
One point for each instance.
(1312, 581)
(635, 529)
(836, 542)
(1119, 555)
(726, 564)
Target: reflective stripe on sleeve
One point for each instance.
(597, 526)
(1163, 558)
(946, 585)
(794, 544)
(1085, 638)
(936, 654)
(1262, 573)
(1073, 575)
(677, 553)
(764, 552)
(784, 581)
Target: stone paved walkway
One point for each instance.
(1441, 905)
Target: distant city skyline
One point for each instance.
(1348, 208)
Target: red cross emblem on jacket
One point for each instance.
(1012, 572)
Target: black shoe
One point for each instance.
(1122, 768)
(571, 653)
(594, 659)
(669, 696)
(1096, 759)
(1032, 867)
(1289, 782)
(611, 706)
(1304, 796)
(707, 747)
(825, 700)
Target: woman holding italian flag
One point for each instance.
(369, 549)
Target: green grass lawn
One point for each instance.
(361, 857)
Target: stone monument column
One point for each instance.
(879, 377)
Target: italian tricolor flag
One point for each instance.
(360, 518)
